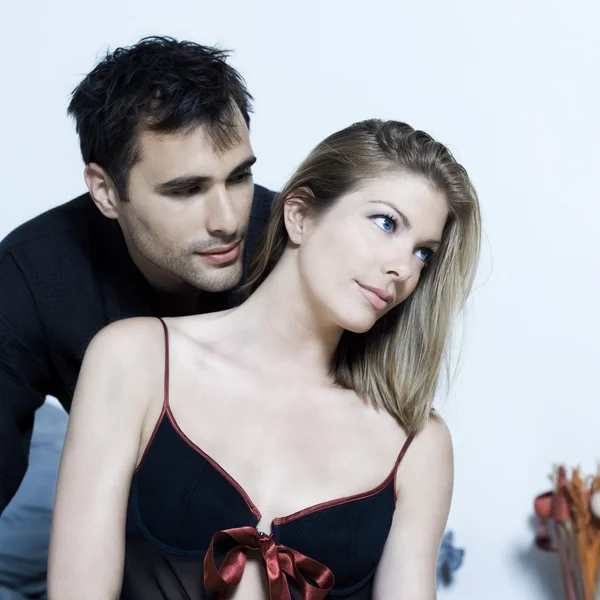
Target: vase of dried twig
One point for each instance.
(569, 524)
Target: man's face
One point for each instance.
(188, 209)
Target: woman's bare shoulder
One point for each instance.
(127, 342)
(122, 361)
(429, 456)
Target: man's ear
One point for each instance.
(102, 190)
(295, 216)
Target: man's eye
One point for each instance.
(241, 177)
(185, 192)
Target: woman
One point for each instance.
(286, 448)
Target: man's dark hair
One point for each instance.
(159, 84)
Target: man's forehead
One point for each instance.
(192, 151)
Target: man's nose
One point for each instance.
(221, 216)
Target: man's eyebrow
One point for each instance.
(198, 180)
(181, 182)
(245, 164)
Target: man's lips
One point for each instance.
(222, 254)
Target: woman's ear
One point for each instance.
(295, 216)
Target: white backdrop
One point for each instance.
(512, 87)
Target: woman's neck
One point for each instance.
(282, 322)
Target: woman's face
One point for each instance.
(365, 255)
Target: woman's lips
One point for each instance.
(377, 297)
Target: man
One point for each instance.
(166, 228)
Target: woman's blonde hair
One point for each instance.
(396, 364)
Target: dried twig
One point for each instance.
(585, 526)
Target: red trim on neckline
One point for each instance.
(214, 463)
(305, 511)
(279, 520)
(391, 478)
(331, 503)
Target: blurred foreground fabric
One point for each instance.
(25, 524)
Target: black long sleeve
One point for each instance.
(24, 374)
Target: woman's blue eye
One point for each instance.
(424, 254)
(385, 223)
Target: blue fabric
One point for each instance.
(25, 524)
(449, 559)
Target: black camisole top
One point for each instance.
(190, 526)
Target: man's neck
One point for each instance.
(178, 305)
(176, 298)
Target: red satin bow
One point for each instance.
(279, 562)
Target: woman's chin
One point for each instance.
(359, 325)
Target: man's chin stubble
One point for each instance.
(221, 280)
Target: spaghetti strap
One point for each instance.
(166, 393)
(405, 446)
(165, 406)
(394, 472)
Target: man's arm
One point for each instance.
(24, 374)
